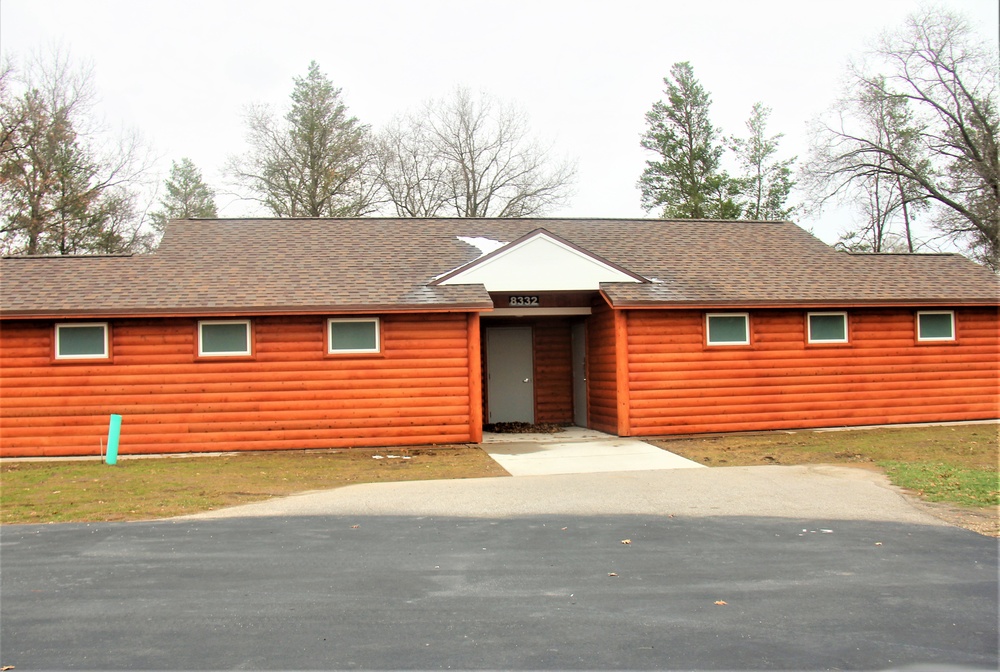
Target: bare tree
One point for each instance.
(842, 168)
(938, 141)
(12, 113)
(468, 157)
(414, 179)
(313, 162)
(64, 187)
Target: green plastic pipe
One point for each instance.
(114, 429)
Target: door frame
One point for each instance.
(578, 355)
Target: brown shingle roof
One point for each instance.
(254, 266)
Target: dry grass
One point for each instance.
(142, 489)
(967, 446)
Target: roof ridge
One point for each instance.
(123, 255)
(904, 254)
(483, 219)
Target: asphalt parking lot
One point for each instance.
(555, 591)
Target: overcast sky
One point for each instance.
(585, 72)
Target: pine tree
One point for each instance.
(766, 182)
(187, 195)
(686, 179)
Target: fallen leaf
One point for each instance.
(626, 541)
(721, 603)
(878, 543)
(612, 574)
(354, 527)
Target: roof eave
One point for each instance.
(854, 303)
(230, 311)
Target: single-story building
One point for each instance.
(262, 334)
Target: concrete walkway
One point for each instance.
(577, 451)
(583, 472)
(812, 492)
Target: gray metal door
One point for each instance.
(510, 386)
(579, 335)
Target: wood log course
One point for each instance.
(289, 394)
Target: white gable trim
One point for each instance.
(539, 262)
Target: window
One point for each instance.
(728, 329)
(227, 338)
(936, 326)
(345, 336)
(827, 327)
(82, 341)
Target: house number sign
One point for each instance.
(523, 301)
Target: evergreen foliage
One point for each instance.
(685, 180)
(766, 182)
(187, 196)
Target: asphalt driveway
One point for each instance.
(671, 568)
(552, 591)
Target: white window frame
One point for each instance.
(234, 353)
(708, 328)
(809, 333)
(70, 325)
(354, 351)
(940, 339)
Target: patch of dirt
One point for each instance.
(522, 428)
(984, 521)
(970, 446)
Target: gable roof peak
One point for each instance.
(539, 261)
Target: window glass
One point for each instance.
(828, 328)
(935, 326)
(81, 341)
(354, 335)
(224, 338)
(728, 330)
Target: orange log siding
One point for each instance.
(553, 372)
(678, 385)
(602, 371)
(290, 395)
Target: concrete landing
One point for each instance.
(577, 451)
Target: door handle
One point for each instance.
(526, 380)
